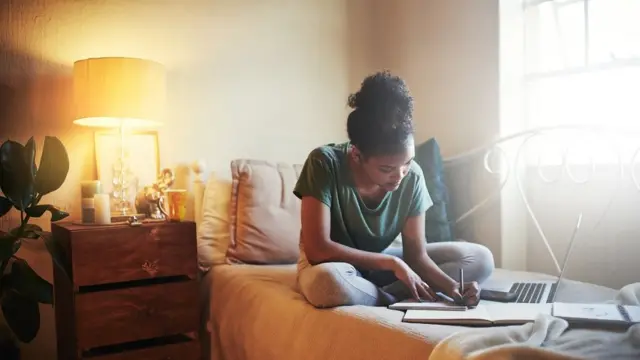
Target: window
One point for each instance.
(582, 63)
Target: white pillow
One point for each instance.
(214, 232)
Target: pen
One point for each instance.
(461, 279)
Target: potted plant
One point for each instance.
(22, 186)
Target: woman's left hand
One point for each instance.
(470, 294)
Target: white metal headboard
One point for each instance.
(513, 163)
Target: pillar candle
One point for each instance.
(102, 209)
(89, 188)
(88, 211)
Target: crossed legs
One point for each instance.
(338, 284)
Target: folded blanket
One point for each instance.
(545, 338)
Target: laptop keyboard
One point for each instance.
(530, 292)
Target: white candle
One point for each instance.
(102, 209)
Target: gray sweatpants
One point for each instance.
(337, 284)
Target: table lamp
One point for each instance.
(123, 93)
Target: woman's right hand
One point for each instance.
(418, 288)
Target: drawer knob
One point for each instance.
(154, 234)
(151, 267)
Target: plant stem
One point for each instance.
(24, 218)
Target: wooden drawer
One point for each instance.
(180, 351)
(127, 253)
(143, 312)
(128, 292)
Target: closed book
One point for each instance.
(596, 314)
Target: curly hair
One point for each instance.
(381, 122)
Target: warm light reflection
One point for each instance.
(64, 31)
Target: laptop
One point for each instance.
(538, 292)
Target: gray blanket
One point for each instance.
(545, 338)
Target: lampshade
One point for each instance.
(116, 91)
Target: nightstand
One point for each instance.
(131, 292)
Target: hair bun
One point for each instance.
(382, 90)
(381, 122)
(353, 100)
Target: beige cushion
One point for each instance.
(214, 228)
(264, 213)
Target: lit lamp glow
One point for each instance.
(123, 93)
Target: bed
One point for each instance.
(247, 238)
(256, 313)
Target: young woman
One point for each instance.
(357, 197)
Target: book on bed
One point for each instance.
(482, 315)
(594, 314)
(427, 305)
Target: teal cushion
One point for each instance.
(438, 227)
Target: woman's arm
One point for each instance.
(319, 248)
(415, 255)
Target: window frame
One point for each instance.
(588, 65)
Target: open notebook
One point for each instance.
(427, 305)
(488, 314)
(593, 314)
(485, 314)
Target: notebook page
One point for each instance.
(416, 305)
(472, 316)
(634, 313)
(588, 312)
(516, 313)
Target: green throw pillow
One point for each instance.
(438, 227)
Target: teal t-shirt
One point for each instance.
(326, 176)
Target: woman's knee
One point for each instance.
(476, 260)
(324, 285)
(480, 261)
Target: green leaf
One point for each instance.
(30, 235)
(21, 314)
(5, 204)
(54, 166)
(30, 157)
(33, 227)
(38, 210)
(16, 181)
(8, 246)
(30, 231)
(56, 252)
(28, 283)
(16, 245)
(57, 214)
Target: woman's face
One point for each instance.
(387, 171)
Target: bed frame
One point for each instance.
(506, 168)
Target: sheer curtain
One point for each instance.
(582, 67)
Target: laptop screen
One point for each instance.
(567, 256)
